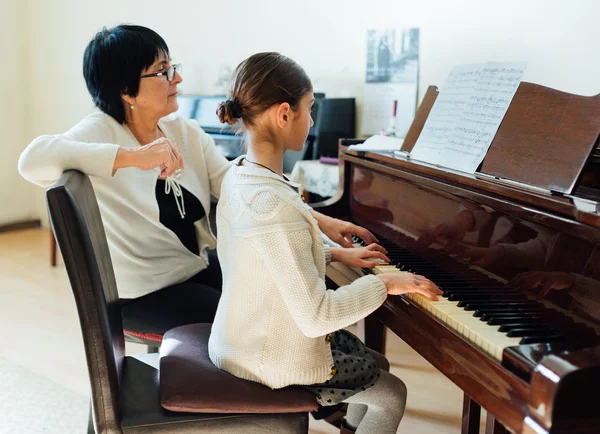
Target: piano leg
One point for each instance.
(375, 334)
(471, 416)
(492, 426)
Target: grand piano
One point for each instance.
(516, 249)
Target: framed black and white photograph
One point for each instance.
(391, 81)
(392, 55)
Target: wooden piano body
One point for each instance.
(532, 207)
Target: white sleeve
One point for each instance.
(327, 253)
(216, 163)
(86, 147)
(287, 252)
(531, 253)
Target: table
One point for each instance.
(316, 178)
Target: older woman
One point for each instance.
(153, 174)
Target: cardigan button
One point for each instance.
(333, 371)
(328, 338)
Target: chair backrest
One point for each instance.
(78, 228)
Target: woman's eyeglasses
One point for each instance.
(169, 73)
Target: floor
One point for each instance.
(41, 334)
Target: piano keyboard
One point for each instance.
(481, 310)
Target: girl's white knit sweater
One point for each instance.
(275, 313)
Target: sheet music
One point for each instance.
(474, 100)
(482, 115)
(445, 113)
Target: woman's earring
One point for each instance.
(131, 106)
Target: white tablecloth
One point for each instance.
(315, 177)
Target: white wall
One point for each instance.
(560, 39)
(16, 195)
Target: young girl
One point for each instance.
(277, 323)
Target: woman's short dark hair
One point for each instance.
(113, 62)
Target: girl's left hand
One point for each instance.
(363, 257)
(341, 231)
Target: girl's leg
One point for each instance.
(382, 362)
(359, 410)
(384, 402)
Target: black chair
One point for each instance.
(125, 390)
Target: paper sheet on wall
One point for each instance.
(378, 104)
(467, 113)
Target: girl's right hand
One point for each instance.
(403, 283)
(160, 153)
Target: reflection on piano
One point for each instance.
(516, 250)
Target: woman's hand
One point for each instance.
(403, 283)
(453, 230)
(160, 153)
(543, 281)
(481, 256)
(364, 257)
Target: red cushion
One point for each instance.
(148, 336)
(189, 382)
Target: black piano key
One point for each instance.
(412, 261)
(457, 283)
(474, 305)
(464, 300)
(531, 333)
(522, 325)
(500, 295)
(454, 296)
(514, 319)
(486, 314)
(539, 340)
(481, 295)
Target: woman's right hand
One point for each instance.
(403, 283)
(160, 153)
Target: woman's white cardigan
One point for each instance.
(146, 255)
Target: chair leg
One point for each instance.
(492, 426)
(471, 416)
(52, 249)
(91, 429)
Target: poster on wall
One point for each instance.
(391, 84)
